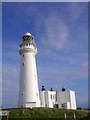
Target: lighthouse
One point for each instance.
(28, 87)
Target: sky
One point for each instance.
(45, 0)
(61, 36)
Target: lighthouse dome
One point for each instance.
(27, 34)
(27, 37)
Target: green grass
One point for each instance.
(47, 114)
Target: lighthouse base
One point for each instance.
(30, 104)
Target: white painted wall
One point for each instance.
(50, 101)
(67, 98)
(73, 100)
(48, 98)
(42, 98)
(28, 93)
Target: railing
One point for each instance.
(4, 113)
(27, 46)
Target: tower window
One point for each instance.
(22, 93)
(22, 106)
(23, 55)
(26, 44)
(23, 64)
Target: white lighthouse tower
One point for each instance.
(28, 91)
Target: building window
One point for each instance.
(64, 105)
(56, 106)
(23, 55)
(51, 96)
(26, 44)
(22, 93)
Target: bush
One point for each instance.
(47, 114)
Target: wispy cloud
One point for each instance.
(56, 33)
(10, 81)
(64, 73)
(76, 11)
(83, 102)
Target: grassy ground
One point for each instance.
(47, 114)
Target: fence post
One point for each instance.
(74, 116)
(65, 116)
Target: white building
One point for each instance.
(63, 99)
(29, 95)
(47, 98)
(66, 99)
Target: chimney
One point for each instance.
(51, 89)
(43, 88)
(63, 89)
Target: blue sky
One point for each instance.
(45, 0)
(61, 36)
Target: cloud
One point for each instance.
(75, 73)
(56, 70)
(77, 10)
(64, 72)
(10, 52)
(83, 101)
(55, 33)
(10, 81)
